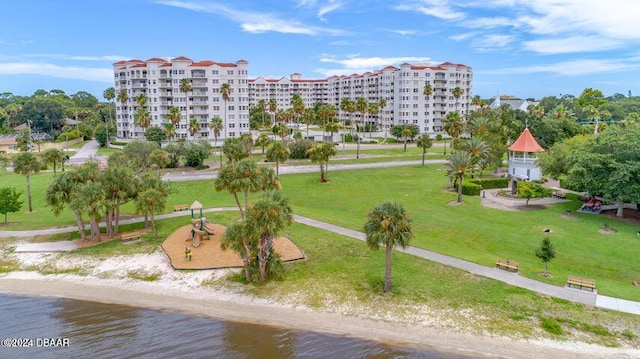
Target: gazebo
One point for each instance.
(523, 159)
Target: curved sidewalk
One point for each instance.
(574, 295)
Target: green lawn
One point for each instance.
(470, 231)
(341, 272)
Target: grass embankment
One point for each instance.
(474, 232)
(471, 231)
(343, 275)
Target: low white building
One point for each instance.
(523, 159)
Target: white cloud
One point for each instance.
(356, 64)
(253, 22)
(462, 37)
(108, 58)
(67, 72)
(489, 22)
(493, 42)
(571, 45)
(571, 68)
(404, 32)
(436, 8)
(331, 6)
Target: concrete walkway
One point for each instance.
(87, 152)
(570, 294)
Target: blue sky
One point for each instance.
(524, 48)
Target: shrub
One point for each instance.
(551, 325)
(490, 183)
(470, 189)
(298, 149)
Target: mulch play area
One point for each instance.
(209, 255)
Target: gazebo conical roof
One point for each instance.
(526, 143)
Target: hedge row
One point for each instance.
(490, 183)
(470, 189)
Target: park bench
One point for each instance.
(130, 238)
(581, 283)
(511, 266)
(636, 283)
(180, 207)
(560, 195)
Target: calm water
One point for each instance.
(112, 331)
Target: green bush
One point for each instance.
(299, 149)
(119, 143)
(470, 189)
(490, 183)
(551, 325)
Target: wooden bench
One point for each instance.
(581, 283)
(180, 207)
(511, 266)
(636, 283)
(130, 238)
(560, 195)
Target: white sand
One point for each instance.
(110, 281)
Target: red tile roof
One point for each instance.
(526, 143)
(446, 64)
(390, 68)
(139, 65)
(181, 58)
(122, 62)
(156, 59)
(168, 64)
(136, 60)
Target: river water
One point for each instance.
(96, 330)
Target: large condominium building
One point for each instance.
(402, 90)
(159, 80)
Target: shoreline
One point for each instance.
(230, 306)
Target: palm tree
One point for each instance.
(424, 142)
(174, 116)
(427, 90)
(458, 164)
(273, 105)
(12, 110)
(457, 92)
(225, 92)
(478, 149)
(26, 163)
(280, 116)
(216, 126)
(326, 112)
(373, 109)
(123, 98)
(59, 194)
(361, 106)
(389, 225)
(194, 127)
(382, 103)
(53, 156)
(170, 130)
(239, 239)
(308, 117)
(297, 104)
(406, 133)
(186, 86)
(453, 126)
(263, 141)
(270, 215)
(119, 185)
(478, 126)
(142, 118)
(142, 100)
(245, 176)
(320, 153)
(262, 106)
(332, 127)
(278, 152)
(152, 199)
(109, 94)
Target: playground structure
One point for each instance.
(200, 228)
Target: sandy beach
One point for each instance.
(110, 281)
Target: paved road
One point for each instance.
(208, 175)
(87, 152)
